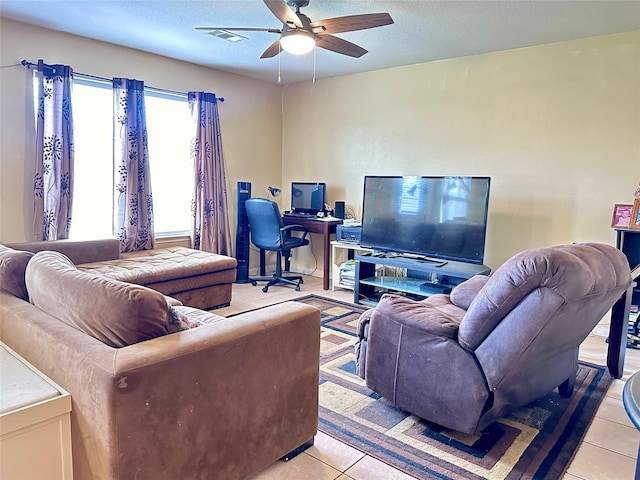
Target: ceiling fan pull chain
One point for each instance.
(315, 48)
(279, 57)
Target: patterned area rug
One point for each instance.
(536, 442)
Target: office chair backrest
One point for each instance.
(265, 222)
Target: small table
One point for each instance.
(631, 400)
(619, 327)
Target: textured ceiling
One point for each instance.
(423, 30)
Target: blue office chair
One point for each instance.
(269, 233)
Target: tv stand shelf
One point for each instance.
(424, 277)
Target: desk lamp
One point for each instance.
(274, 191)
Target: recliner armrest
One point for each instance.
(436, 316)
(463, 294)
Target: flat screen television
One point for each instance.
(308, 197)
(435, 217)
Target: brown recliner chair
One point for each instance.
(495, 343)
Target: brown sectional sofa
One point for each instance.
(222, 400)
(196, 278)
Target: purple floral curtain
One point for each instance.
(209, 208)
(53, 181)
(133, 207)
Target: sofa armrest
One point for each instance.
(78, 251)
(240, 394)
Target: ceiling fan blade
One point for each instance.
(272, 50)
(351, 23)
(283, 13)
(338, 45)
(242, 29)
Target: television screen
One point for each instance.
(438, 217)
(308, 197)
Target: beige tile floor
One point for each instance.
(608, 451)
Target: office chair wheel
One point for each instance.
(265, 289)
(298, 288)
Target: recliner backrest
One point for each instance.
(265, 223)
(535, 311)
(567, 272)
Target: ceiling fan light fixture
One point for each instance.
(297, 42)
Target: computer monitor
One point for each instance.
(308, 197)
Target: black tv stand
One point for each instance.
(424, 276)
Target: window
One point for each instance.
(410, 200)
(456, 199)
(169, 136)
(92, 215)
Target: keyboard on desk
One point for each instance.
(299, 215)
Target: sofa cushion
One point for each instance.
(197, 316)
(114, 312)
(149, 267)
(13, 264)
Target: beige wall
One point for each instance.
(250, 116)
(557, 127)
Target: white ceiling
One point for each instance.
(423, 31)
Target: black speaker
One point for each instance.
(242, 233)
(338, 210)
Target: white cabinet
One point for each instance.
(35, 423)
(342, 252)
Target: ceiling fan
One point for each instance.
(299, 34)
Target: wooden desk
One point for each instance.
(324, 227)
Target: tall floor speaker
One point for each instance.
(242, 233)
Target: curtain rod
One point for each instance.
(28, 64)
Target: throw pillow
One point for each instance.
(179, 321)
(116, 313)
(13, 264)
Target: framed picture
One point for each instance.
(622, 214)
(635, 215)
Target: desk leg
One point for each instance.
(618, 334)
(327, 260)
